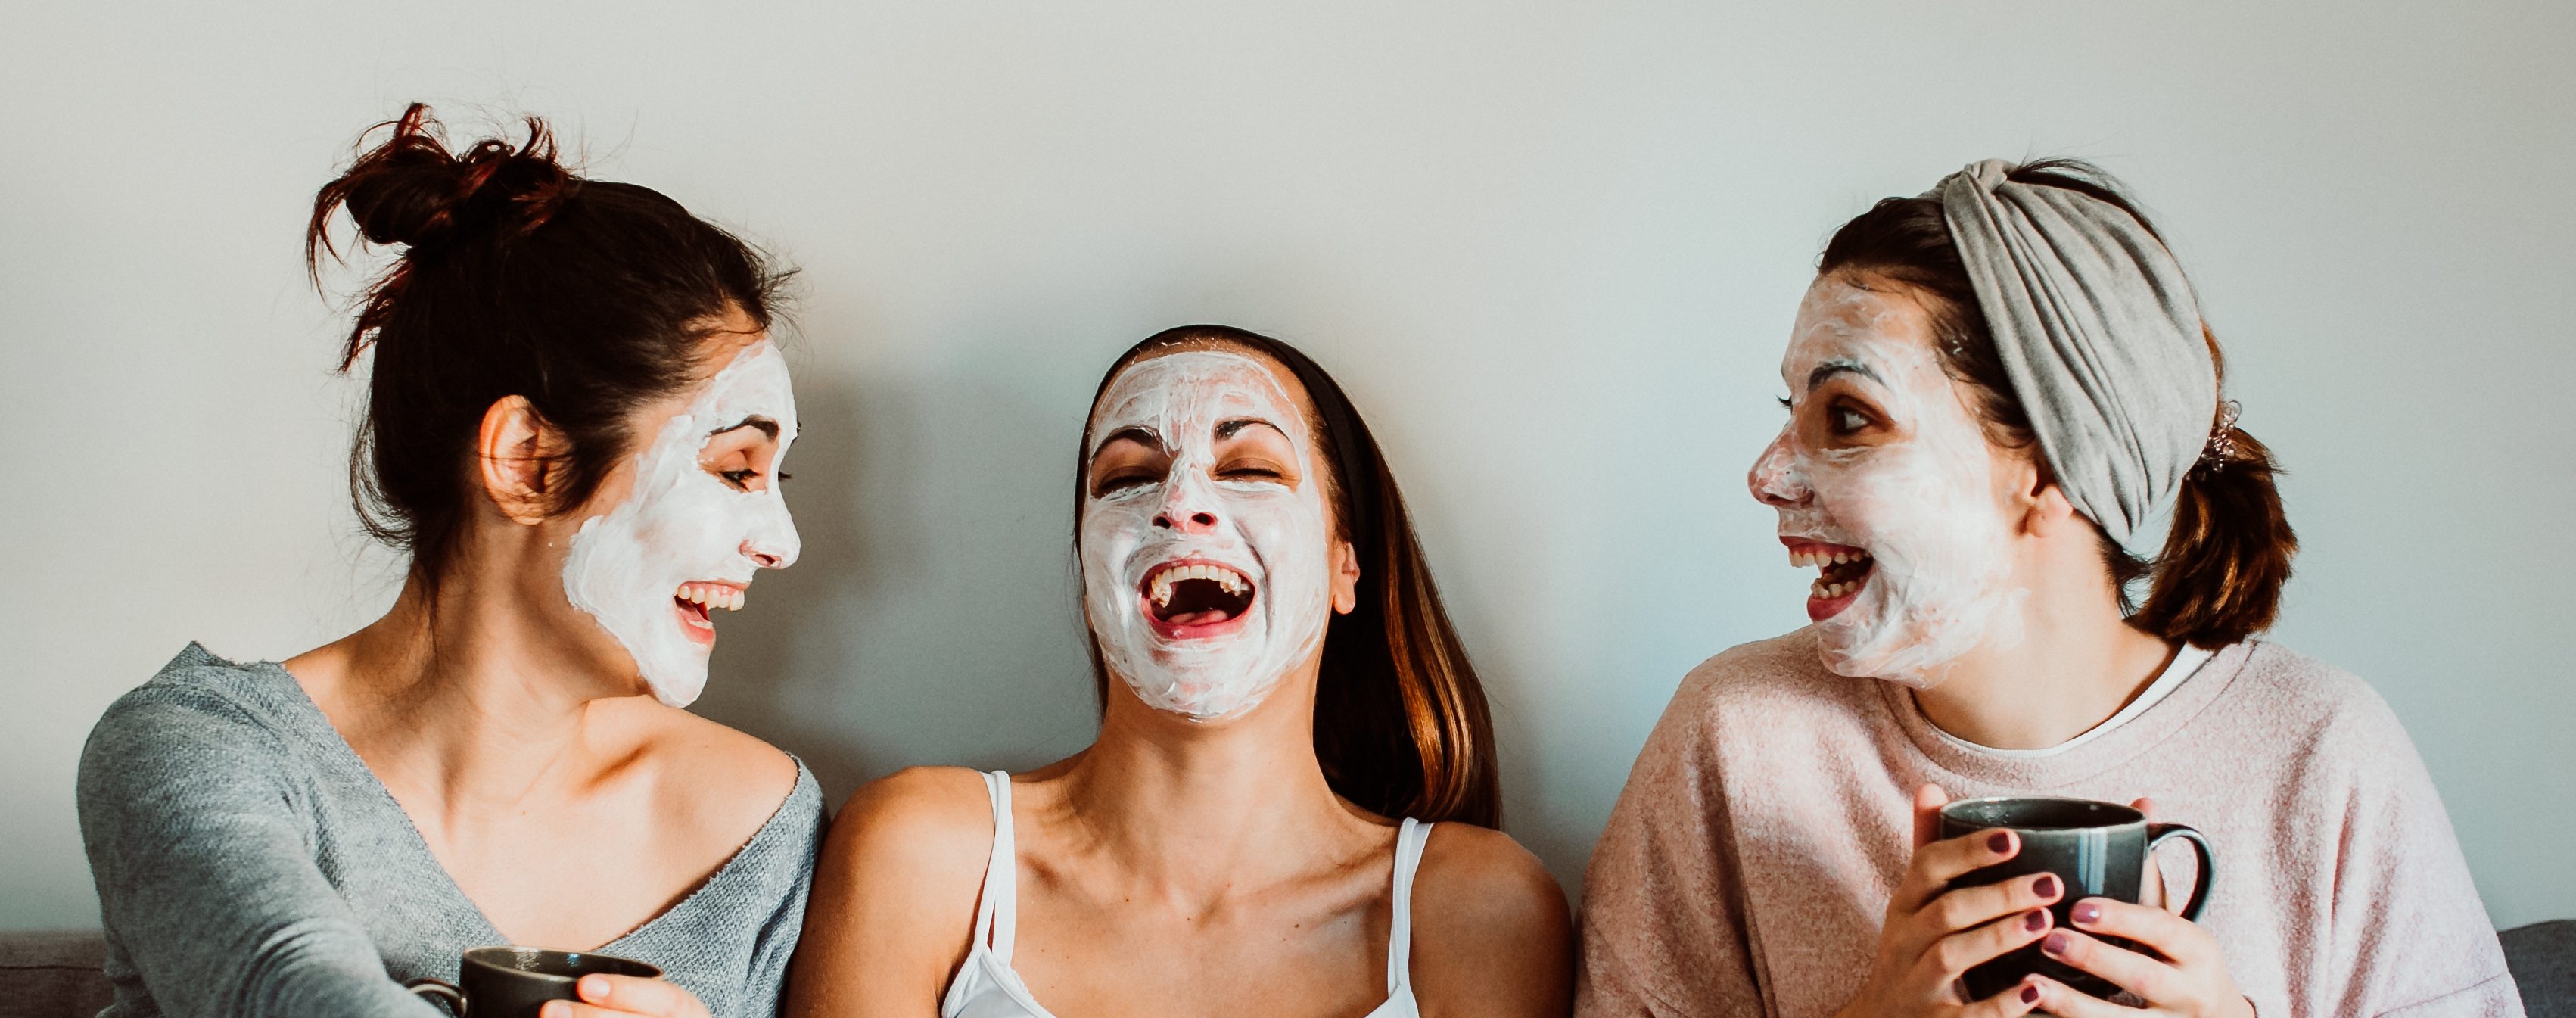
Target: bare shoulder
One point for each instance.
(714, 778)
(893, 907)
(935, 816)
(1491, 930)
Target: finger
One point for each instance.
(2068, 1002)
(2153, 981)
(640, 995)
(1969, 907)
(1940, 862)
(2013, 1002)
(1953, 955)
(577, 1009)
(2146, 807)
(2171, 935)
(1928, 801)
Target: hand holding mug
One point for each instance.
(1933, 933)
(605, 996)
(2190, 979)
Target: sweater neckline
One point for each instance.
(316, 728)
(2138, 736)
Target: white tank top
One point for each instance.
(987, 987)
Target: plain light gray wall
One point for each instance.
(1552, 249)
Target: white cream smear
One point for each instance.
(1196, 534)
(684, 534)
(1923, 506)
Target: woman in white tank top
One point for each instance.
(1288, 810)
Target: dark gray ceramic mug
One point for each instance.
(2097, 850)
(513, 982)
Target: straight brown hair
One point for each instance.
(1401, 725)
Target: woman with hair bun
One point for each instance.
(1997, 390)
(573, 427)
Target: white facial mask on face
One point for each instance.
(1924, 507)
(1270, 535)
(682, 525)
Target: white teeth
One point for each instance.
(712, 595)
(1160, 588)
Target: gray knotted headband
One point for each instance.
(2097, 330)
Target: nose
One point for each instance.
(1190, 523)
(1775, 479)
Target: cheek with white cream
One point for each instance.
(1912, 541)
(685, 541)
(1205, 590)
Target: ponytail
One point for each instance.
(2227, 557)
(1401, 725)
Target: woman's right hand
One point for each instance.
(1932, 936)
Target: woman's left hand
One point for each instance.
(2193, 982)
(605, 996)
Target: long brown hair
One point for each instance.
(1401, 726)
(2219, 577)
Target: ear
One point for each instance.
(515, 455)
(2045, 510)
(1346, 578)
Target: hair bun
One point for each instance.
(412, 191)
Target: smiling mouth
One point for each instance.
(1842, 571)
(696, 601)
(1195, 599)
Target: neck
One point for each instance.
(2076, 663)
(479, 702)
(1204, 808)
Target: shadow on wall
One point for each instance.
(931, 618)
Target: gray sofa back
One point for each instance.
(52, 975)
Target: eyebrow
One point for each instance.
(1838, 366)
(767, 427)
(1234, 426)
(1133, 433)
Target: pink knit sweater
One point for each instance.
(1748, 863)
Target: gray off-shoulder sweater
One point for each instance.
(249, 864)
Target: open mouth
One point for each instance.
(695, 602)
(1842, 571)
(1192, 599)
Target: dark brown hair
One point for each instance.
(2220, 575)
(1401, 726)
(517, 278)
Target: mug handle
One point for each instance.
(2208, 858)
(442, 989)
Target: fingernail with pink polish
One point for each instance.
(2000, 841)
(2036, 920)
(2029, 994)
(2045, 886)
(2055, 944)
(2087, 913)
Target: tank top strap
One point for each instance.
(1409, 840)
(997, 911)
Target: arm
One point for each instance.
(205, 877)
(2408, 933)
(1663, 933)
(765, 987)
(893, 907)
(1492, 934)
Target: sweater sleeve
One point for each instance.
(1663, 924)
(765, 989)
(206, 878)
(2408, 930)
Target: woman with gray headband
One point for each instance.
(2005, 417)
